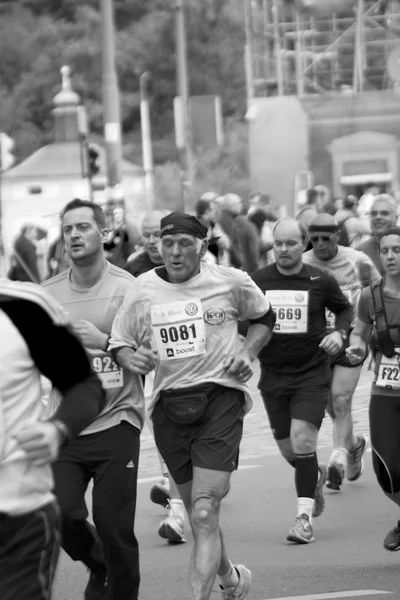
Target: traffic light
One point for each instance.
(7, 158)
(93, 155)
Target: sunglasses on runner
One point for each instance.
(322, 238)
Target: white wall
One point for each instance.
(278, 147)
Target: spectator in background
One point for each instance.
(24, 265)
(353, 229)
(57, 257)
(338, 204)
(149, 257)
(325, 199)
(244, 249)
(366, 200)
(218, 240)
(258, 201)
(121, 240)
(311, 208)
(383, 216)
(264, 222)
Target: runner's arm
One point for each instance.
(259, 334)
(362, 332)
(59, 356)
(337, 302)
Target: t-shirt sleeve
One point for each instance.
(251, 302)
(126, 329)
(363, 309)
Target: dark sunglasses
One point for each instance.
(322, 238)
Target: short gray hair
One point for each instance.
(385, 198)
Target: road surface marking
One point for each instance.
(333, 595)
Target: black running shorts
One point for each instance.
(295, 396)
(212, 444)
(341, 359)
(384, 422)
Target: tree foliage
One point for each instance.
(37, 37)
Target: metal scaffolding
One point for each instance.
(289, 52)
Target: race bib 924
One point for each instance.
(110, 373)
(178, 329)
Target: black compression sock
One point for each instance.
(306, 474)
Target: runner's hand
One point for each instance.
(88, 334)
(239, 366)
(355, 354)
(40, 442)
(332, 343)
(142, 361)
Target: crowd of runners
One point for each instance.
(171, 340)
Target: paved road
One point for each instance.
(346, 561)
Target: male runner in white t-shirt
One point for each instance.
(188, 311)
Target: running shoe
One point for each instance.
(241, 591)
(159, 493)
(302, 531)
(96, 588)
(392, 540)
(355, 463)
(172, 529)
(319, 500)
(335, 476)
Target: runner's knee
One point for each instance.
(302, 441)
(204, 513)
(341, 405)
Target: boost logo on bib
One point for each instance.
(214, 316)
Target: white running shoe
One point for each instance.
(241, 591)
(172, 529)
(302, 531)
(159, 493)
(355, 462)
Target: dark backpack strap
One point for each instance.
(381, 322)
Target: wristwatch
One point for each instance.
(343, 335)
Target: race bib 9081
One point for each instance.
(178, 329)
(291, 309)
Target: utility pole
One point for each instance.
(147, 150)
(186, 153)
(83, 129)
(112, 122)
